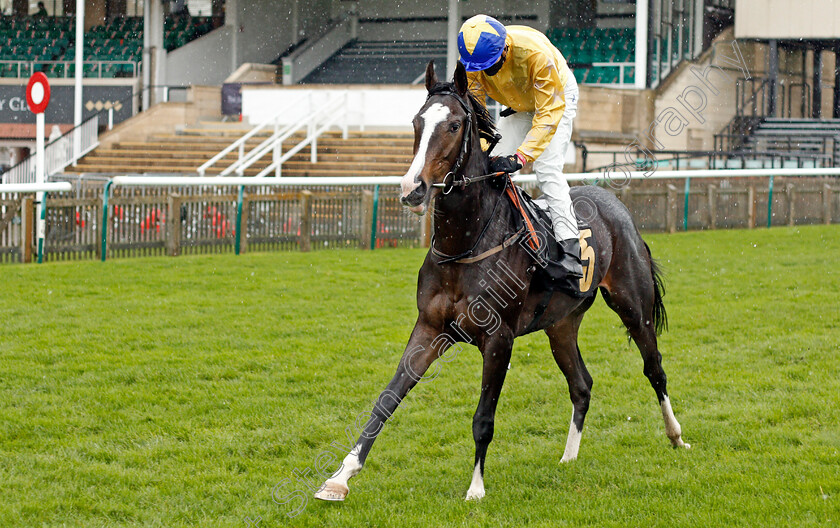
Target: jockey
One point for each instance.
(518, 67)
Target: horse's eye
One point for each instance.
(454, 127)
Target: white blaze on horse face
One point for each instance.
(476, 490)
(433, 116)
(572, 443)
(672, 426)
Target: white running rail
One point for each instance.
(58, 154)
(315, 124)
(34, 187)
(141, 180)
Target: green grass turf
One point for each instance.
(179, 391)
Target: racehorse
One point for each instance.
(477, 287)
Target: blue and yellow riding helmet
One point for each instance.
(481, 42)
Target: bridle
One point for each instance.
(465, 148)
(464, 181)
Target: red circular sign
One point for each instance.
(38, 93)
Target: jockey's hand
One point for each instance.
(507, 164)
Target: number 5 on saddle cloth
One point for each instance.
(546, 255)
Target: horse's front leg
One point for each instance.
(424, 346)
(496, 351)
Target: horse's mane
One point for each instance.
(486, 125)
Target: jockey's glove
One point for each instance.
(507, 164)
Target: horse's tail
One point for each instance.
(660, 318)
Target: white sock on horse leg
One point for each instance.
(672, 426)
(476, 490)
(572, 443)
(350, 467)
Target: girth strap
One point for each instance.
(511, 240)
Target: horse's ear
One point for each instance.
(431, 76)
(460, 79)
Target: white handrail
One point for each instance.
(336, 108)
(622, 68)
(311, 138)
(58, 154)
(257, 151)
(275, 142)
(248, 135)
(26, 68)
(261, 150)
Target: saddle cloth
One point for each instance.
(548, 253)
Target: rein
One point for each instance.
(464, 257)
(465, 180)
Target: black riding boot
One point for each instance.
(570, 260)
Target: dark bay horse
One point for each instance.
(490, 301)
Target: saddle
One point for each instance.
(538, 239)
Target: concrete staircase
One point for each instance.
(376, 153)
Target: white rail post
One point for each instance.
(39, 179)
(640, 73)
(110, 118)
(310, 135)
(79, 61)
(278, 170)
(275, 152)
(346, 110)
(362, 112)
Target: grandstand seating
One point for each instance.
(401, 62)
(583, 47)
(379, 62)
(53, 40)
(362, 154)
(796, 136)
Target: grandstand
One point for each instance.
(331, 92)
(644, 68)
(598, 55)
(112, 49)
(793, 136)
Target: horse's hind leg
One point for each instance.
(563, 338)
(635, 302)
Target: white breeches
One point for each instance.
(549, 166)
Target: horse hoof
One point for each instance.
(569, 459)
(679, 443)
(332, 491)
(474, 494)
